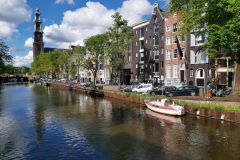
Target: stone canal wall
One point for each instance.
(198, 108)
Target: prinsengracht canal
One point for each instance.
(52, 123)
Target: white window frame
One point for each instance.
(146, 28)
(183, 52)
(146, 41)
(136, 32)
(168, 71)
(174, 27)
(136, 43)
(197, 39)
(174, 39)
(136, 65)
(162, 50)
(168, 54)
(209, 72)
(175, 71)
(162, 36)
(174, 15)
(175, 54)
(136, 54)
(168, 28)
(181, 66)
(156, 52)
(168, 41)
(191, 72)
(156, 27)
(199, 59)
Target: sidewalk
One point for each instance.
(191, 98)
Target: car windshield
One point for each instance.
(135, 83)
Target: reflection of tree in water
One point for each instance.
(39, 123)
(9, 147)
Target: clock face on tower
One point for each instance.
(38, 44)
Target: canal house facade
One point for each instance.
(147, 49)
(200, 66)
(175, 65)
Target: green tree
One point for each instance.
(118, 46)
(5, 57)
(65, 60)
(93, 53)
(10, 69)
(223, 20)
(52, 58)
(25, 70)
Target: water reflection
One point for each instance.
(52, 123)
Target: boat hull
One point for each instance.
(164, 109)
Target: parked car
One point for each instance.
(162, 90)
(127, 89)
(86, 84)
(143, 88)
(184, 91)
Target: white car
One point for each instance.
(143, 88)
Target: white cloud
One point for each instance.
(23, 61)
(12, 13)
(62, 1)
(29, 43)
(92, 20)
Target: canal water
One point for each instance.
(52, 123)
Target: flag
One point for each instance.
(179, 49)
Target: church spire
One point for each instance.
(38, 45)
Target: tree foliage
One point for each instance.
(10, 69)
(5, 57)
(93, 53)
(118, 47)
(25, 70)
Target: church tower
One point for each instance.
(38, 45)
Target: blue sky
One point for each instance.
(64, 22)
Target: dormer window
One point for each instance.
(174, 15)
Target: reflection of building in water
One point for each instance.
(104, 109)
(39, 123)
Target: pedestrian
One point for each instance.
(220, 92)
(208, 89)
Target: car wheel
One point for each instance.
(170, 94)
(148, 92)
(153, 93)
(135, 91)
(123, 91)
(193, 93)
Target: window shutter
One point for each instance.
(192, 38)
(192, 57)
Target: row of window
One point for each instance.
(175, 70)
(200, 73)
(156, 54)
(154, 66)
(156, 29)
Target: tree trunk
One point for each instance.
(236, 81)
(119, 79)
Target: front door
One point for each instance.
(182, 75)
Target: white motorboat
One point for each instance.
(162, 107)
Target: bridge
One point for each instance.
(15, 78)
